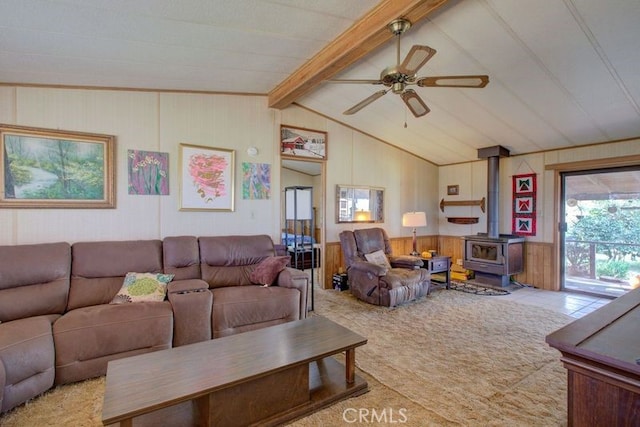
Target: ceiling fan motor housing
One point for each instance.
(391, 75)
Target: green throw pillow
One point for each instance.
(142, 287)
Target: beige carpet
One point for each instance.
(452, 359)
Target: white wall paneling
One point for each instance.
(158, 121)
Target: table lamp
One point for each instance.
(414, 220)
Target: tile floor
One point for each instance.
(573, 304)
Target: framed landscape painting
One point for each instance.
(299, 143)
(48, 168)
(206, 178)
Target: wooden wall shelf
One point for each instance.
(463, 220)
(480, 203)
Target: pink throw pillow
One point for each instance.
(266, 271)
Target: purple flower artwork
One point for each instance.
(148, 172)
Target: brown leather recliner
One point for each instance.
(399, 281)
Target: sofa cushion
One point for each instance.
(34, 280)
(28, 357)
(98, 268)
(142, 287)
(87, 338)
(181, 257)
(244, 308)
(267, 270)
(370, 240)
(229, 260)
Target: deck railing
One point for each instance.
(581, 253)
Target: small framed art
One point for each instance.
(303, 143)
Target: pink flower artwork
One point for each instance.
(207, 172)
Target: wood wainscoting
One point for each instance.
(538, 261)
(538, 258)
(539, 266)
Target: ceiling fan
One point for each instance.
(398, 77)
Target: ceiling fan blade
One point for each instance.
(415, 103)
(365, 81)
(360, 105)
(454, 81)
(416, 58)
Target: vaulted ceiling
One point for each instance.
(562, 72)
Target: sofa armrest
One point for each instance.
(295, 279)
(191, 302)
(405, 261)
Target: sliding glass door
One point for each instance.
(600, 231)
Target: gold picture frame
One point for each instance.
(49, 168)
(207, 178)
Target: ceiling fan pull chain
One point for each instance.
(405, 116)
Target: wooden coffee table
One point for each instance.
(266, 377)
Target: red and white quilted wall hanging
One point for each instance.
(524, 205)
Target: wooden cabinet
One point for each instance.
(601, 352)
(302, 260)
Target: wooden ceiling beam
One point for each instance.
(362, 37)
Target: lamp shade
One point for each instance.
(414, 219)
(299, 203)
(363, 216)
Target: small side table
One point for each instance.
(439, 264)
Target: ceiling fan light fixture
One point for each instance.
(414, 103)
(397, 88)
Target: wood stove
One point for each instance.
(494, 259)
(492, 256)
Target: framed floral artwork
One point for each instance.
(206, 178)
(51, 168)
(256, 181)
(148, 172)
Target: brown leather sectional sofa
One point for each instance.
(57, 324)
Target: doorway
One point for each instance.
(600, 231)
(307, 173)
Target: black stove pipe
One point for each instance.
(493, 154)
(493, 197)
